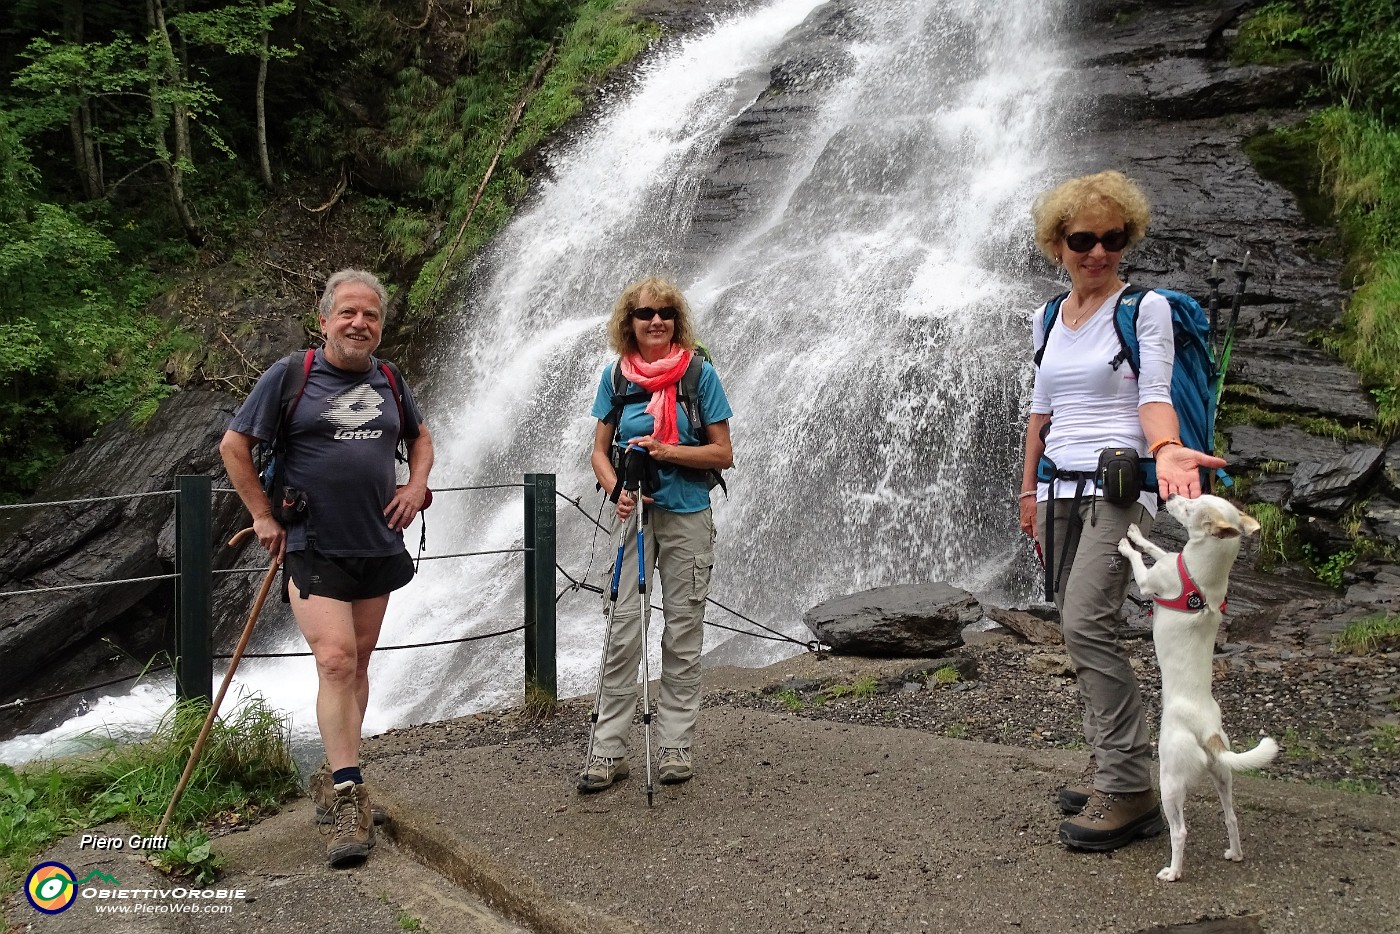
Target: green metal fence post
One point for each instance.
(541, 677)
(194, 561)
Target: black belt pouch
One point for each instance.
(1119, 476)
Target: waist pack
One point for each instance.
(1118, 479)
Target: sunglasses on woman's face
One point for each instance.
(667, 313)
(1083, 241)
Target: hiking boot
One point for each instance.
(1113, 819)
(1072, 797)
(322, 791)
(675, 765)
(600, 772)
(354, 828)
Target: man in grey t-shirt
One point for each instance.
(344, 553)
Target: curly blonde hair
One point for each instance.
(663, 292)
(1055, 209)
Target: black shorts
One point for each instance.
(343, 578)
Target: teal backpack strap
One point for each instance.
(1052, 314)
(1125, 315)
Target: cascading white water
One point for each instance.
(867, 320)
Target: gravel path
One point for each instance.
(1336, 717)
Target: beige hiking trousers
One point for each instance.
(681, 546)
(1090, 598)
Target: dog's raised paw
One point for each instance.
(1169, 874)
(1125, 548)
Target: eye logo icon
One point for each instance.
(50, 888)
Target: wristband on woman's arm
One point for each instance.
(1026, 493)
(1152, 451)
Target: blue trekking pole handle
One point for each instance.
(617, 566)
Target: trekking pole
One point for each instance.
(607, 630)
(635, 470)
(198, 748)
(1214, 280)
(1241, 276)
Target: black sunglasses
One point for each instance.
(668, 313)
(1083, 241)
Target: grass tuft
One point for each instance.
(246, 768)
(1277, 534)
(1368, 636)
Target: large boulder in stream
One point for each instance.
(915, 620)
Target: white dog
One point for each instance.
(1189, 594)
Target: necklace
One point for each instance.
(1087, 307)
(1083, 316)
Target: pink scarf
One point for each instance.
(659, 379)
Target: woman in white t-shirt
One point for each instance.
(1085, 225)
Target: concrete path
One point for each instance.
(792, 825)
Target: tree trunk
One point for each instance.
(80, 120)
(177, 118)
(264, 164)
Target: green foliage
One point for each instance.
(1272, 34)
(75, 348)
(863, 688)
(408, 922)
(791, 700)
(1359, 41)
(1357, 147)
(191, 856)
(540, 704)
(597, 40)
(246, 767)
(1358, 786)
(946, 676)
(1386, 738)
(1232, 412)
(64, 76)
(1360, 158)
(1378, 633)
(1277, 534)
(1329, 570)
(241, 28)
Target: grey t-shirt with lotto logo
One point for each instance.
(340, 451)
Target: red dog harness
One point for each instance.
(1191, 599)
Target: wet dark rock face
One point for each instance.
(68, 638)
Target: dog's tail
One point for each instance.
(1256, 758)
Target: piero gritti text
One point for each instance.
(97, 841)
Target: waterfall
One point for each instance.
(866, 307)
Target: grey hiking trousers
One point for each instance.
(681, 546)
(1090, 598)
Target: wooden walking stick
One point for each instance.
(223, 688)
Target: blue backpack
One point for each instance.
(1195, 372)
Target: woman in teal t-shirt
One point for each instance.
(650, 331)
